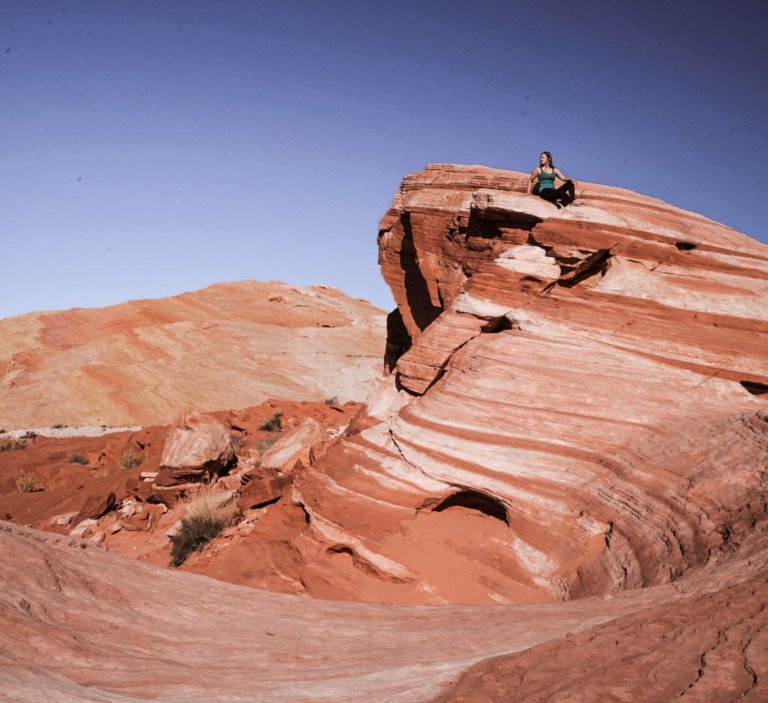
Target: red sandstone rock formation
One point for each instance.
(232, 345)
(580, 403)
(575, 411)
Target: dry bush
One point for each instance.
(237, 442)
(78, 459)
(204, 517)
(8, 444)
(274, 423)
(332, 401)
(130, 459)
(266, 444)
(28, 483)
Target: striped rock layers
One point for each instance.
(575, 404)
(231, 345)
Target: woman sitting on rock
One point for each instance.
(543, 182)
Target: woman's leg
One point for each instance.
(566, 193)
(549, 194)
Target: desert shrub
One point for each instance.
(78, 459)
(332, 401)
(205, 517)
(266, 444)
(29, 434)
(274, 423)
(130, 459)
(237, 442)
(195, 532)
(8, 444)
(28, 483)
(58, 426)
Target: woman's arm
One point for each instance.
(560, 175)
(534, 177)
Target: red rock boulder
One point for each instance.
(295, 445)
(198, 447)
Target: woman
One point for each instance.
(545, 176)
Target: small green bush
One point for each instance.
(130, 459)
(274, 423)
(9, 444)
(78, 459)
(196, 531)
(28, 483)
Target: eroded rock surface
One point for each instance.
(575, 405)
(232, 345)
(78, 623)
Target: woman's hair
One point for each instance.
(549, 158)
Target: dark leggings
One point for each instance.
(566, 193)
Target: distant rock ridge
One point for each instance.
(231, 345)
(576, 403)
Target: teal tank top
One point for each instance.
(546, 180)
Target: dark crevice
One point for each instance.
(488, 223)
(398, 340)
(548, 288)
(594, 265)
(532, 242)
(109, 505)
(264, 504)
(575, 269)
(340, 549)
(307, 517)
(685, 246)
(444, 366)
(400, 387)
(497, 324)
(364, 565)
(416, 290)
(474, 500)
(754, 387)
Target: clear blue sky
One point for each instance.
(154, 147)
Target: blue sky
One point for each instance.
(150, 148)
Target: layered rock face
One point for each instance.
(228, 346)
(575, 410)
(576, 403)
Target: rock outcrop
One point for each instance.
(576, 403)
(81, 624)
(295, 446)
(197, 447)
(232, 345)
